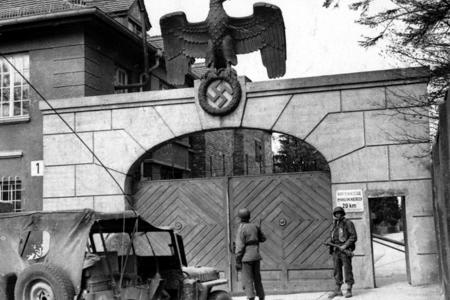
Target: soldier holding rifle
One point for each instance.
(343, 238)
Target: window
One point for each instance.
(78, 2)
(14, 91)
(170, 173)
(34, 245)
(141, 81)
(11, 192)
(134, 27)
(258, 151)
(154, 244)
(121, 78)
(96, 242)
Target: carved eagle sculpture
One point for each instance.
(220, 38)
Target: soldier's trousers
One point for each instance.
(342, 261)
(251, 279)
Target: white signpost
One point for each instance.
(37, 168)
(350, 200)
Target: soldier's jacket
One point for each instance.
(248, 237)
(344, 233)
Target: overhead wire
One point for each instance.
(72, 130)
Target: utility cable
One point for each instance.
(72, 131)
(94, 155)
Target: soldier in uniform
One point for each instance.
(248, 258)
(344, 236)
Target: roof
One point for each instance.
(156, 41)
(105, 222)
(124, 221)
(111, 6)
(20, 8)
(199, 69)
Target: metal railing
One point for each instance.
(382, 240)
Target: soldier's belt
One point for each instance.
(251, 243)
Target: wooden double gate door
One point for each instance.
(295, 214)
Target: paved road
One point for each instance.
(390, 273)
(393, 291)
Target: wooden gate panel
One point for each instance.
(309, 253)
(295, 214)
(196, 209)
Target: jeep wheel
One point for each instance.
(43, 282)
(219, 295)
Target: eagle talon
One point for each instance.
(222, 72)
(210, 74)
(227, 72)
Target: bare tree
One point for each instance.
(416, 32)
(296, 155)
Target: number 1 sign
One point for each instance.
(37, 168)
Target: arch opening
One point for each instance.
(197, 183)
(225, 152)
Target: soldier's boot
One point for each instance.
(348, 292)
(336, 292)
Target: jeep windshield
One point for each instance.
(128, 234)
(95, 255)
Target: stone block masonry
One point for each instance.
(349, 118)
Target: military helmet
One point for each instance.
(338, 209)
(244, 214)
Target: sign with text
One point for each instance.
(37, 168)
(350, 200)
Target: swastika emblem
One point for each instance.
(219, 95)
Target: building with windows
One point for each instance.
(65, 49)
(232, 152)
(81, 48)
(210, 154)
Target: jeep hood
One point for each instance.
(201, 274)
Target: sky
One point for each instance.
(319, 41)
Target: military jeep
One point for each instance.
(87, 255)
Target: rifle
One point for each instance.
(347, 252)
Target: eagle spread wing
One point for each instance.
(183, 42)
(264, 31)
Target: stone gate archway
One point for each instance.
(349, 118)
(201, 203)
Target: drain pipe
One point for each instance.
(158, 56)
(147, 70)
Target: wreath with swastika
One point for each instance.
(219, 94)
